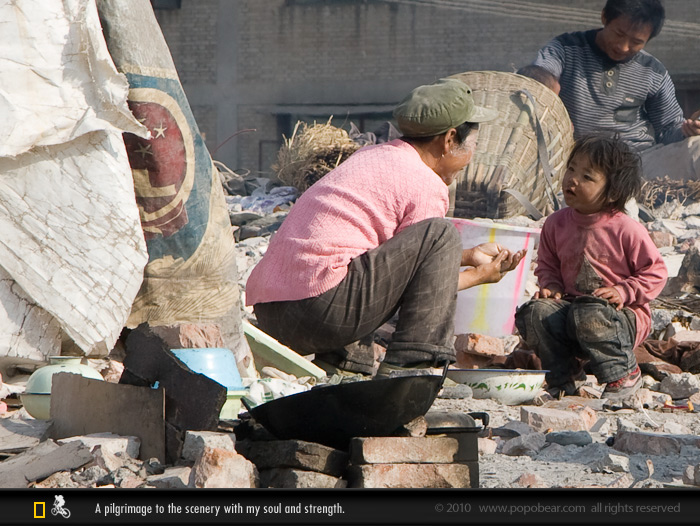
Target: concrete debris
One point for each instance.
(566, 438)
(296, 478)
(219, 468)
(409, 476)
(680, 386)
(197, 441)
(580, 418)
(175, 477)
(529, 444)
(611, 463)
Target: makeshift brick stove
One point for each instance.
(356, 425)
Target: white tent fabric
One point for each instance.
(70, 233)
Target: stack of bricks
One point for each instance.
(295, 463)
(414, 462)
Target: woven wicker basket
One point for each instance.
(507, 151)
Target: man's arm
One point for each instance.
(665, 114)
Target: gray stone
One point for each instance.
(295, 454)
(218, 468)
(296, 478)
(409, 476)
(529, 444)
(196, 441)
(519, 427)
(20, 434)
(175, 477)
(680, 385)
(90, 476)
(108, 442)
(565, 438)
(653, 443)
(610, 463)
(41, 461)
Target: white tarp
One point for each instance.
(70, 233)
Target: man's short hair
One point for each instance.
(640, 12)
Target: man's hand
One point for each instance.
(481, 254)
(691, 127)
(611, 294)
(548, 293)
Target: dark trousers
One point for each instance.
(589, 328)
(415, 273)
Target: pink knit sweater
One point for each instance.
(613, 249)
(373, 195)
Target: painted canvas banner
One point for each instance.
(191, 273)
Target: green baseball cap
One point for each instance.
(435, 108)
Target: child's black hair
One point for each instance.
(620, 164)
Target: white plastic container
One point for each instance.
(490, 309)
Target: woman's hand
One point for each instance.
(481, 254)
(493, 270)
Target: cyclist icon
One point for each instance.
(58, 508)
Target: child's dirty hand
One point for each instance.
(548, 293)
(611, 294)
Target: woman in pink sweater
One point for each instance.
(370, 238)
(597, 269)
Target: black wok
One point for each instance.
(334, 414)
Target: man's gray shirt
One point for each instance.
(635, 98)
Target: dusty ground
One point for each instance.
(568, 466)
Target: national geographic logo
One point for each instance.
(39, 510)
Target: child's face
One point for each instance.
(584, 186)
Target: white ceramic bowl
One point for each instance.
(509, 386)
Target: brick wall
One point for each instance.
(327, 56)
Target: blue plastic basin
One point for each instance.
(217, 363)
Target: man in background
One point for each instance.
(610, 83)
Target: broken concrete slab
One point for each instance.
(295, 454)
(41, 461)
(296, 478)
(20, 434)
(269, 352)
(176, 477)
(196, 441)
(409, 476)
(404, 450)
(192, 401)
(109, 442)
(542, 419)
(653, 443)
(218, 468)
(126, 410)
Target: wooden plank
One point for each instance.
(81, 406)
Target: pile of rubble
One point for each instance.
(652, 440)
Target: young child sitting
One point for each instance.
(597, 270)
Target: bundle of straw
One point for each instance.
(311, 152)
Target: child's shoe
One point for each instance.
(625, 386)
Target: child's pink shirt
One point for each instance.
(372, 196)
(619, 251)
